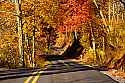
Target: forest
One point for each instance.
(31, 30)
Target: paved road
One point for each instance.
(61, 72)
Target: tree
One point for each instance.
(35, 14)
(19, 25)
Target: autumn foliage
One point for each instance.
(72, 13)
(48, 24)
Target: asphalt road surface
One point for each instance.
(61, 71)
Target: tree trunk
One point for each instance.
(33, 51)
(93, 44)
(19, 25)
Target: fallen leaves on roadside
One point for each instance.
(117, 73)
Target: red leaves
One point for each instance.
(77, 12)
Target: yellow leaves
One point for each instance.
(25, 30)
(8, 32)
(27, 25)
(100, 54)
(45, 8)
(84, 41)
(48, 9)
(60, 40)
(26, 5)
(88, 56)
(7, 38)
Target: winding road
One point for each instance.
(60, 71)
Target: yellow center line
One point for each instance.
(37, 77)
(29, 78)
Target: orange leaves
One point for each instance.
(26, 6)
(6, 10)
(7, 6)
(7, 38)
(76, 13)
(71, 2)
(4, 14)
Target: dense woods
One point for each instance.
(32, 29)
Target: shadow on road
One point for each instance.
(61, 68)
